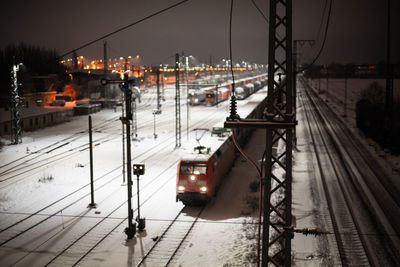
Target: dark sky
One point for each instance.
(357, 31)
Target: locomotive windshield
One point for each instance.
(197, 169)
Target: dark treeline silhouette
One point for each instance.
(376, 120)
(37, 61)
(336, 70)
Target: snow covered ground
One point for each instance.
(334, 97)
(224, 234)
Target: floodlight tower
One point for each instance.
(16, 137)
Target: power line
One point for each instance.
(262, 14)
(322, 21)
(323, 43)
(125, 27)
(259, 10)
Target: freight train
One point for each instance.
(213, 94)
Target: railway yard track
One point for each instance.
(360, 198)
(360, 201)
(166, 246)
(48, 216)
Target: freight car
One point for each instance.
(216, 95)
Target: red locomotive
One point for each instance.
(200, 173)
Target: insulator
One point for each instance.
(233, 108)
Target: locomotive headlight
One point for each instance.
(181, 188)
(193, 178)
(203, 189)
(196, 100)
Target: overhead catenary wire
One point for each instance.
(262, 14)
(323, 42)
(322, 20)
(125, 27)
(259, 10)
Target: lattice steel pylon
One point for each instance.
(279, 121)
(277, 216)
(16, 135)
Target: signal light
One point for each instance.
(138, 169)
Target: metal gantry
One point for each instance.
(16, 131)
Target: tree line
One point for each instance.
(337, 70)
(37, 61)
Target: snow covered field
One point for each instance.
(41, 184)
(225, 234)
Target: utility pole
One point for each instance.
(162, 85)
(16, 131)
(135, 95)
(158, 90)
(345, 96)
(279, 121)
(177, 104)
(187, 97)
(127, 91)
(91, 204)
(131, 229)
(123, 106)
(123, 138)
(389, 79)
(105, 69)
(105, 58)
(134, 121)
(319, 84)
(327, 83)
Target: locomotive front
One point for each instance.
(192, 183)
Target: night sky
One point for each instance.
(357, 32)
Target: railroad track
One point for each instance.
(39, 161)
(166, 247)
(16, 163)
(30, 222)
(350, 249)
(362, 195)
(75, 252)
